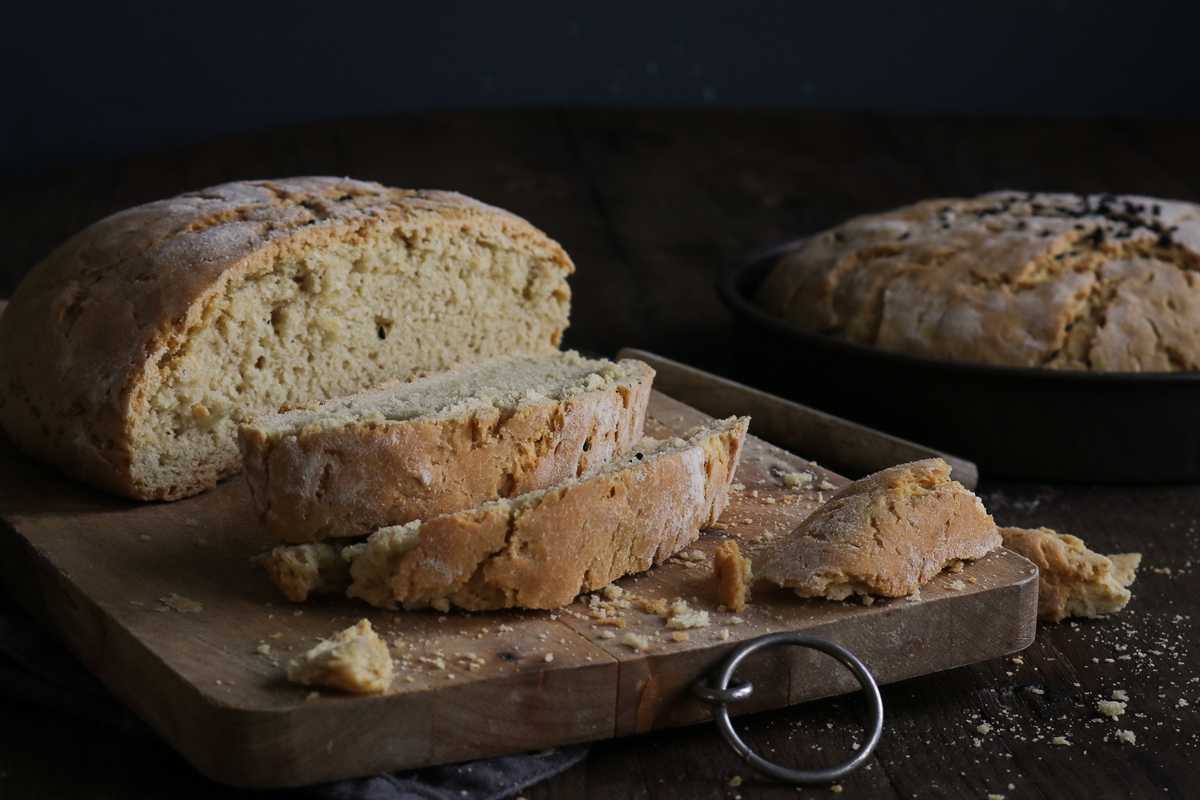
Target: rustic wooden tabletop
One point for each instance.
(651, 204)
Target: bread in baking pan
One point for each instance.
(885, 534)
(542, 549)
(440, 442)
(128, 356)
(1064, 281)
(1073, 581)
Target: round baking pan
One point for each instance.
(1013, 422)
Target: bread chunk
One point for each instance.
(354, 660)
(885, 534)
(1073, 581)
(1064, 281)
(542, 549)
(129, 356)
(308, 568)
(734, 574)
(440, 443)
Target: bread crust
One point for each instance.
(575, 538)
(96, 329)
(1085, 282)
(885, 534)
(543, 549)
(349, 480)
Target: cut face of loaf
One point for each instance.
(440, 443)
(543, 549)
(129, 355)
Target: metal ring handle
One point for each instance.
(719, 693)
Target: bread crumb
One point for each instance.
(957, 586)
(263, 649)
(734, 575)
(183, 605)
(636, 642)
(1119, 694)
(311, 696)
(995, 797)
(612, 592)
(653, 606)
(680, 636)
(354, 660)
(836, 788)
(144, 538)
(736, 780)
(680, 616)
(1061, 740)
(915, 597)
(984, 728)
(191, 522)
(955, 568)
(793, 479)
(549, 657)
(1111, 708)
(607, 635)
(1127, 737)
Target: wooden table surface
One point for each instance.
(650, 204)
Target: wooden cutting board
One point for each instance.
(114, 579)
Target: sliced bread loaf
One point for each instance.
(128, 356)
(542, 549)
(440, 443)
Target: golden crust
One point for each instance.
(1064, 281)
(885, 534)
(349, 479)
(1073, 581)
(543, 549)
(107, 335)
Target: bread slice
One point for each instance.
(885, 534)
(440, 443)
(1073, 581)
(542, 549)
(128, 356)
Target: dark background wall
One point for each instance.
(88, 81)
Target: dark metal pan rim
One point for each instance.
(732, 278)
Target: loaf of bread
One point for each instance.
(542, 549)
(1084, 282)
(439, 443)
(1073, 581)
(886, 534)
(130, 354)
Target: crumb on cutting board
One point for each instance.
(354, 660)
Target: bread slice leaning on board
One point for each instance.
(440, 442)
(129, 356)
(541, 549)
